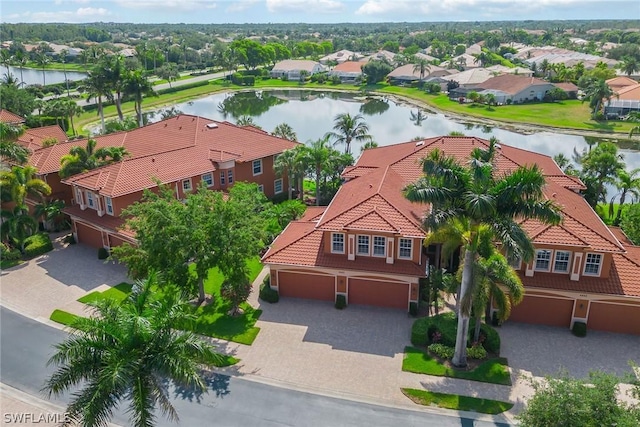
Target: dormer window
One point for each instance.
(90, 201)
(337, 243)
(593, 265)
(561, 263)
(405, 248)
(363, 245)
(543, 260)
(108, 204)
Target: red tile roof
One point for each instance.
(169, 150)
(349, 67)
(512, 83)
(32, 138)
(7, 116)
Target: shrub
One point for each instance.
(579, 329)
(37, 244)
(249, 80)
(335, 80)
(9, 254)
(70, 239)
(443, 324)
(477, 352)
(266, 293)
(442, 351)
(103, 253)
(341, 302)
(182, 87)
(413, 309)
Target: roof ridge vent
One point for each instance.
(212, 125)
(420, 143)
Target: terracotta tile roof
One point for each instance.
(617, 231)
(620, 82)
(302, 245)
(172, 149)
(349, 67)
(631, 93)
(112, 224)
(32, 138)
(295, 64)
(7, 116)
(566, 86)
(567, 181)
(512, 83)
(313, 213)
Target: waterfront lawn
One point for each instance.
(456, 402)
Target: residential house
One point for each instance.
(570, 89)
(340, 57)
(620, 82)
(465, 61)
(368, 244)
(348, 71)
(516, 89)
(409, 73)
(626, 99)
(501, 69)
(292, 68)
(7, 116)
(472, 77)
(181, 152)
(381, 55)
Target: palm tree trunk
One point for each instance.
(119, 105)
(623, 196)
(73, 128)
(139, 111)
(318, 186)
(201, 294)
(104, 129)
(289, 188)
(460, 355)
(476, 333)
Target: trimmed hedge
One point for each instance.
(579, 329)
(37, 244)
(103, 253)
(178, 88)
(413, 309)
(266, 293)
(341, 302)
(7, 254)
(445, 325)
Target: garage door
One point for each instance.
(543, 311)
(89, 236)
(623, 319)
(382, 294)
(308, 286)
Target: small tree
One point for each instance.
(630, 223)
(376, 71)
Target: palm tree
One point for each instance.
(21, 182)
(285, 165)
(9, 149)
(115, 74)
(629, 65)
(348, 129)
(421, 65)
(85, 159)
(283, 130)
(627, 183)
(16, 226)
(477, 194)
(127, 351)
(246, 121)
(71, 110)
(315, 157)
(42, 59)
(596, 91)
(418, 117)
(137, 85)
(21, 60)
(96, 86)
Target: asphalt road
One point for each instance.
(26, 345)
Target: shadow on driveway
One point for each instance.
(361, 329)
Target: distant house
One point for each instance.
(348, 71)
(291, 68)
(570, 89)
(620, 82)
(71, 51)
(7, 116)
(472, 77)
(408, 73)
(506, 70)
(381, 55)
(465, 60)
(517, 89)
(341, 56)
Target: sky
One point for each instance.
(311, 11)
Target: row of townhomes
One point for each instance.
(368, 244)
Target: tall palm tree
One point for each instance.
(21, 60)
(9, 150)
(285, 165)
(315, 157)
(115, 74)
(42, 59)
(82, 159)
(126, 352)
(595, 92)
(16, 226)
(71, 110)
(283, 130)
(21, 182)
(348, 128)
(421, 65)
(137, 85)
(96, 86)
(626, 183)
(629, 65)
(480, 195)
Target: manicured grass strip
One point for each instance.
(227, 361)
(4, 264)
(454, 401)
(118, 293)
(63, 317)
(493, 371)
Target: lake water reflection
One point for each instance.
(34, 77)
(311, 114)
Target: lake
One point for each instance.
(311, 115)
(33, 76)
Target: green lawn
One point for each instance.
(63, 317)
(454, 401)
(118, 292)
(4, 264)
(493, 371)
(161, 81)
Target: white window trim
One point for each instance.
(223, 178)
(344, 243)
(275, 189)
(79, 196)
(90, 198)
(516, 264)
(551, 259)
(584, 267)
(368, 253)
(212, 181)
(108, 205)
(261, 188)
(253, 169)
(555, 255)
(190, 185)
(400, 247)
(230, 176)
(384, 246)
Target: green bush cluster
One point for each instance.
(240, 80)
(182, 87)
(37, 244)
(9, 254)
(442, 351)
(266, 293)
(70, 239)
(477, 352)
(341, 302)
(413, 309)
(38, 121)
(103, 253)
(579, 329)
(445, 327)
(489, 337)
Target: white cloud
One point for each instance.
(308, 6)
(180, 5)
(241, 5)
(83, 14)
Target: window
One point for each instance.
(230, 176)
(561, 264)
(186, 185)
(257, 167)
(90, 202)
(79, 196)
(404, 248)
(379, 246)
(515, 262)
(207, 178)
(363, 245)
(337, 243)
(277, 186)
(261, 188)
(543, 260)
(108, 203)
(223, 178)
(592, 264)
